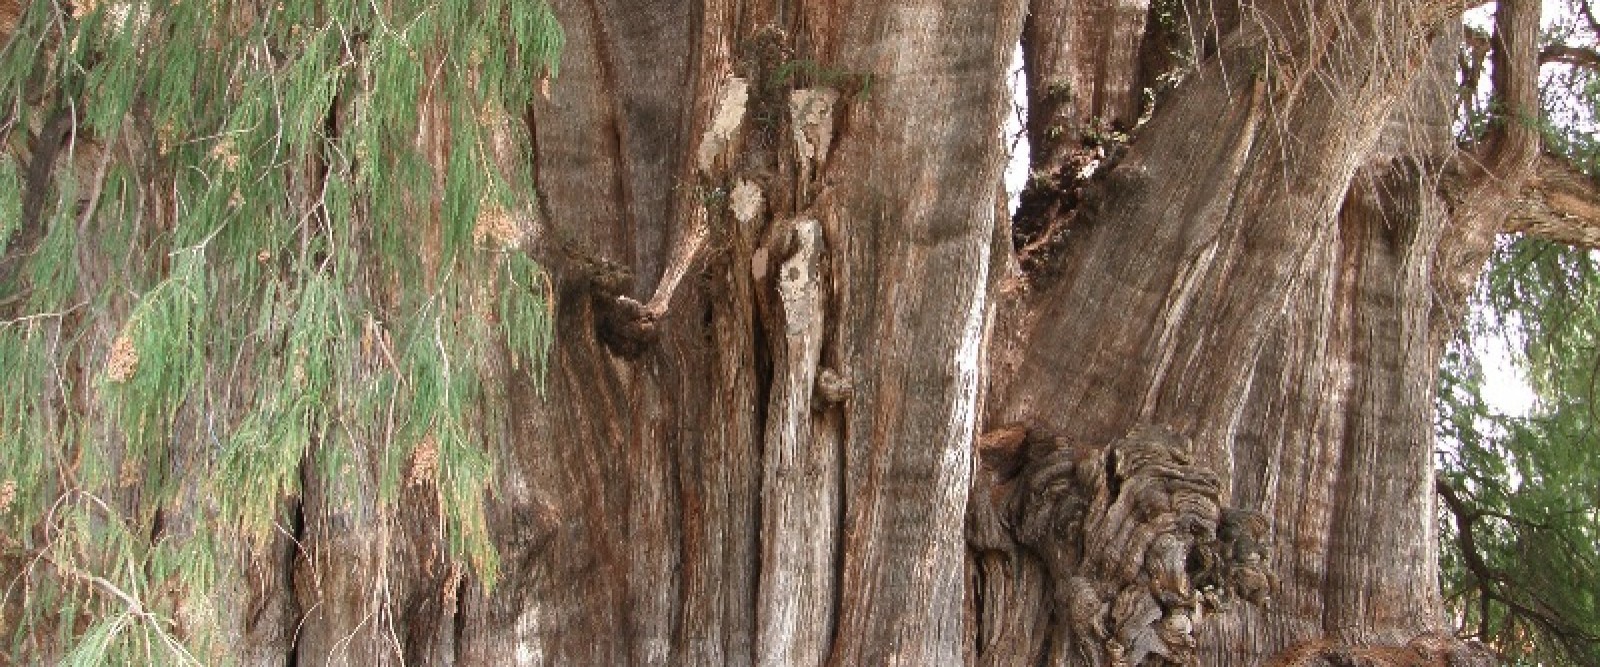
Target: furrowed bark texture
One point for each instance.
(780, 476)
(813, 400)
(1271, 269)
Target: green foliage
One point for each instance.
(24, 351)
(280, 282)
(54, 269)
(1530, 484)
(261, 464)
(10, 201)
(524, 311)
(165, 334)
(441, 367)
(1520, 521)
(810, 73)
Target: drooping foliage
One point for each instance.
(1520, 492)
(228, 271)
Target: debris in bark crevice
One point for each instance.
(624, 325)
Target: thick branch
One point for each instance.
(1512, 141)
(1558, 204)
(1498, 167)
(1576, 56)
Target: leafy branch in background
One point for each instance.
(1520, 493)
(1520, 510)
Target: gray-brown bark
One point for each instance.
(808, 404)
(1560, 204)
(1262, 279)
(1136, 546)
(720, 508)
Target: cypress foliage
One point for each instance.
(223, 297)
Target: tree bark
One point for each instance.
(1266, 280)
(770, 480)
(813, 399)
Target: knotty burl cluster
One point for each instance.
(1139, 550)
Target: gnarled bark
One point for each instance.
(786, 307)
(1559, 204)
(1277, 286)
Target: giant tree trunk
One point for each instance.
(1273, 270)
(1189, 394)
(696, 500)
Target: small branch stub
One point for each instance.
(832, 388)
(623, 324)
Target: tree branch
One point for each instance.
(1495, 171)
(1576, 56)
(1558, 204)
(1512, 143)
(1587, 11)
(1496, 584)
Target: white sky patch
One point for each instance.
(1505, 388)
(1482, 17)
(1011, 133)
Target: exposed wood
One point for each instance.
(786, 308)
(800, 472)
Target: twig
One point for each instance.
(41, 316)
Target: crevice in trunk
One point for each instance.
(841, 516)
(1082, 111)
(297, 524)
(545, 221)
(457, 616)
(614, 135)
(37, 184)
(30, 230)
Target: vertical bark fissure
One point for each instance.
(909, 290)
(615, 139)
(1212, 374)
(294, 552)
(1386, 414)
(1186, 287)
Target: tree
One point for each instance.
(1519, 490)
(352, 332)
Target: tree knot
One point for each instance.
(1139, 549)
(624, 325)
